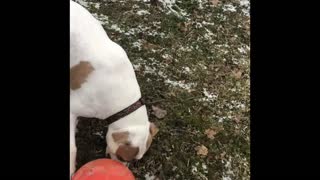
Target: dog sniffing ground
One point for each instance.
(192, 62)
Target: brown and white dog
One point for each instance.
(103, 83)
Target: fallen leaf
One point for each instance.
(201, 150)
(222, 155)
(237, 119)
(214, 2)
(158, 112)
(147, 45)
(210, 133)
(182, 27)
(237, 74)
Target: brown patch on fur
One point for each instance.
(79, 74)
(127, 152)
(120, 137)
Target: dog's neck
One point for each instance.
(135, 118)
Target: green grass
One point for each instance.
(213, 58)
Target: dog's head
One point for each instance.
(130, 143)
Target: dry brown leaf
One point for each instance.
(222, 155)
(214, 2)
(147, 45)
(201, 150)
(158, 112)
(237, 74)
(210, 133)
(237, 119)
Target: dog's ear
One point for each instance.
(120, 137)
(153, 129)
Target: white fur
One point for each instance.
(110, 88)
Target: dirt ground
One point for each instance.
(192, 60)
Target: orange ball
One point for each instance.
(103, 169)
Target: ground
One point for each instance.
(192, 62)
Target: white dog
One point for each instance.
(103, 83)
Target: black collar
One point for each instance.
(123, 113)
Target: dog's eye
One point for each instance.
(127, 143)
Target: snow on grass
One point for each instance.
(181, 84)
(228, 173)
(147, 30)
(150, 66)
(186, 70)
(143, 12)
(83, 3)
(96, 5)
(207, 23)
(229, 7)
(169, 4)
(198, 170)
(208, 35)
(209, 97)
(200, 4)
(100, 134)
(185, 49)
(245, 4)
(116, 28)
(103, 19)
(149, 177)
(88, 4)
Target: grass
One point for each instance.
(194, 63)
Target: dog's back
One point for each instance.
(103, 74)
(85, 31)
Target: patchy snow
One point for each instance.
(174, 168)
(169, 4)
(143, 12)
(209, 97)
(149, 177)
(135, 6)
(136, 67)
(207, 23)
(146, 30)
(98, 134)
(229, 7)
(205, 168)
(198, 25)
(137, 44)
(103, 19)
(166, 56)
(208, 35)
(96, 5)
(116, 28)
(185, 49)
(186, 70)
(83, 3)
(202, 66)
(245, 4)
(242, 50)
(88, 4)
(200, 4)
(226, 178)
(194, 169)
(228, 173)
(181, 84)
